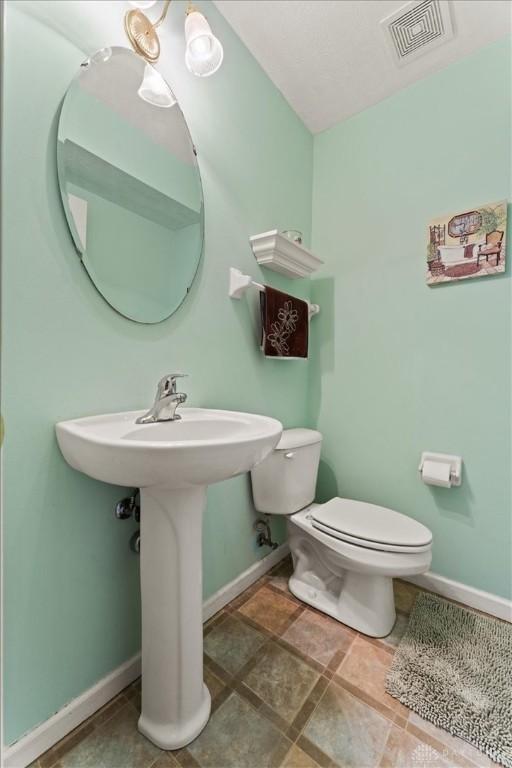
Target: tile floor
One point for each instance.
(291, 688)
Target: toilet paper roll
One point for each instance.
(436, 473)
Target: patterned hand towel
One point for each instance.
(284, 325)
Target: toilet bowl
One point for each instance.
(345, 552)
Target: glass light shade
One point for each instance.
(204, 53)
(101, 56)
(143, 4)
(155, 90)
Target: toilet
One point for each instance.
(345, 552)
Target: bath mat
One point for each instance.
(454, 668)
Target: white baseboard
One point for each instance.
(462, 593)
(228, 593)
(37, 741)
(29, 747)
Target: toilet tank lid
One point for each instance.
(297, 438)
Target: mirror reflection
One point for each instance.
(130, 185)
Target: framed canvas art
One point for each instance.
(467, 244)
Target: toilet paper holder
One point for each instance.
(455, 463)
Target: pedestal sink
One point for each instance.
(172, 463)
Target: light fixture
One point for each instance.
(101, 56)
(204, 53)
(155, 90)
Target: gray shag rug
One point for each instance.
(454, 668)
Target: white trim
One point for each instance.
(228, 593)
(462, 593)
(29, 747)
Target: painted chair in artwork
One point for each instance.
(492, 247)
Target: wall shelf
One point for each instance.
(275, 251)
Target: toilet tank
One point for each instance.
(285, 481)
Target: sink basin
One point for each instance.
(205, 446)
(172, 463)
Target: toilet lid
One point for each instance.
(369, 525)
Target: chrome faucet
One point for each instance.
(166, 401)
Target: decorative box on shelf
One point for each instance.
(275, 251)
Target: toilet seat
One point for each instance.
(370, 526)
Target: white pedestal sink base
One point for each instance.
(169, 736)
(175, 700)
(172, 462)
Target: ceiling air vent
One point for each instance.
(416, 28)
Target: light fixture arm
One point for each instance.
(163, 14)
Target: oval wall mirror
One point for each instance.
(130, 185)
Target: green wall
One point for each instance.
(70, 582)
(401, 367)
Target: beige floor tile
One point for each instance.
(50, 758)
(165, 761)
(215, 686)
(347, 730)
(116, 744)
(237, 736)
(270, 610)
(280, 582)
(403, 750)
(231, 643)
(365, 667)
(282, 681)
(319, 636)
(296, 758)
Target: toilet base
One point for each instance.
(351, 583)
(363, 602)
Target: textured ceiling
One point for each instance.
(330, 58)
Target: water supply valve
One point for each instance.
(128, 507)
(264, 538)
